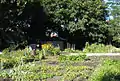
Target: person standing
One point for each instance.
(32, 47)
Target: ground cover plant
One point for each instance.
(94, 48)
(46, 69)
(19, 65)
(10, 59)
(72, 57)
(51, 68)
(108, 71)
(100, 48)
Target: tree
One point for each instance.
(21, 21)
(10, 28)
(84, 19)
(79, 21)
(114, 26)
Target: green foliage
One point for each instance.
(4, 74)
(55, 51)
(39, 54)
(113, 25)
(14, 58)
(11, 28)
(98, 48)
(109, 71)
(49, 49)
(6, 51)
(10, 63)
(72, 57)
(33, 71)
(79, 17)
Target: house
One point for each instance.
(55, 41)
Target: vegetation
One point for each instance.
(72, 57)
(43, 71)
(80, 22)
(20, 65)
(100, 48)
(74, 20)
(108, 71)
(14, 58)
(49, 49)
(94, 48)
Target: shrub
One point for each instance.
(13, 58)
(10, 63)
(108, 71)
(6, 51)
(72, 57)
(98, 48)
(46, 46)
(55, 51)
(49, 49)
(39, 54)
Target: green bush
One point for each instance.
(28, 72)
(116, 50)
(40, 72)
(72, 57)
(10, 63)
(55, 51)
(49, 49)
(5, 51)
(13, 58)
(108, 71)
(98, 48)
(39, 54)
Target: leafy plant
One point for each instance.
(13, 58)
(108, 71)
(49, 49)
(98, 48)
(10, 63)
(55, 51)
(72, 57)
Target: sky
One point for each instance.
(110, 17)
(111, 0)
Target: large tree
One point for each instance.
(10, 27)
(114, 26)
(21, 20)
(76, 20)
(84, 19)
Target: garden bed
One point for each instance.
(51, 69)
(55, 66)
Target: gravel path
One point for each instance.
(96, 54)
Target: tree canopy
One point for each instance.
(75, 20)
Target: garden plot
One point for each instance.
(52, 69)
